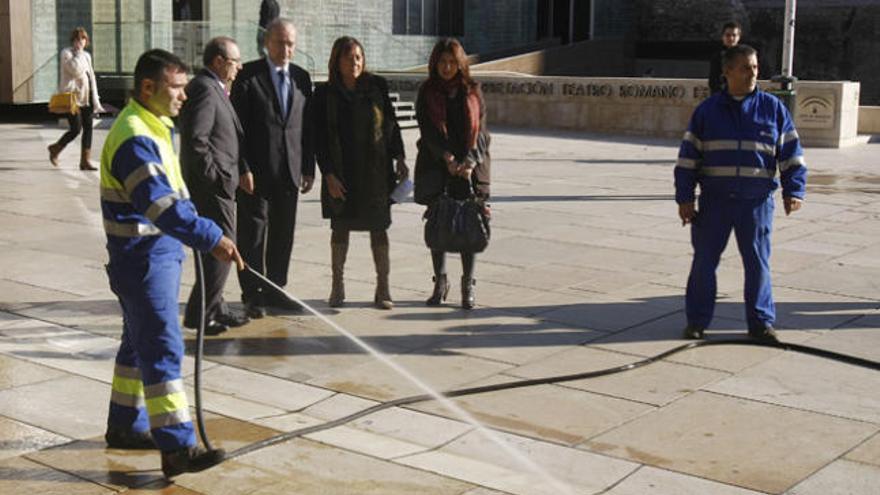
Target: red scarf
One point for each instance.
(436, 92)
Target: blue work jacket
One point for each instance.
(733, 148)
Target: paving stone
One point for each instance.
(376, 380)
(18, 438)
(868, 452)
(791, 380)
(16, 372)
(662, 482)
(19, 475)
(255, 387)
(71, 406)
(656, 384)
(527, 467)
(309, 468)
(840, 478)
(576, 415)
(718, 438)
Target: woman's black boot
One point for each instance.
(441, 290)
(467, 292)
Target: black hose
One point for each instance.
(200, 349)
(813, 351)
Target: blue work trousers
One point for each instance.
(751, 219)
(148, 391)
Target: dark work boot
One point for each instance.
(441, 290)
(467, 293)
(124, 438)
(692, 332)
(764, 334)
(190, 460)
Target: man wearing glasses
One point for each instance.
(211, 141)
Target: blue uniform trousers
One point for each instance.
(148, 392)
(751, 219)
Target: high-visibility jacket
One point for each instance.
(733, 148)
(143, 194)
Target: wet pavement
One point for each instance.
(585, 271)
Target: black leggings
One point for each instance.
(81, 121)
(468, 260)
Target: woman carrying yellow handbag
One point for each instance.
(78, 78)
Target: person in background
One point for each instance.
(147, 218)
(78, 77)
(736, 142)
(271, 97)
(210, 156)
(453, 152)
(269, 11)
(357, 137)
(730, 35)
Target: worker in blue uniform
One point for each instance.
(736, 142)
(147, 215)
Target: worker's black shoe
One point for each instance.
(232, 319)
(124, 438)
(190, 460)
(692, 332)
(284, 303)
(764, 334)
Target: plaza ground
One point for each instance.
(586, 270)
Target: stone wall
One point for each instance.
(826, 113)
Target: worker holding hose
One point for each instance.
(147, 215)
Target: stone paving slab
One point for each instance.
(840, 478)
(650, 480)
(735, 441)
(587, 267)
(809, 383)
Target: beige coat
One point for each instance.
(77, 76)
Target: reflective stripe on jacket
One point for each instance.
(142, 191)
(734, 148)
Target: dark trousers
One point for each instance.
(222, 212)
(81, 121)
(265, 239)
(752, 221)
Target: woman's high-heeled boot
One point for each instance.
(338, 253)
(382, 300)
(467, 292)
(441, 290)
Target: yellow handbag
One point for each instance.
(63, 103)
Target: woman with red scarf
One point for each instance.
(453, 149)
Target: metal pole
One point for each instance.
(786, 80)
(570, 21)
(788, 38)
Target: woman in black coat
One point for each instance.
(453, 150)
(357, 137)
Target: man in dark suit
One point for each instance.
(211, 138)
(730, 35)
(271, 97)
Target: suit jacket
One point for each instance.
(211, 139)
(278, 150)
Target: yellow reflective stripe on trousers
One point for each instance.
(167, 404)
(745, 172)
(127, 388)
(130, 229)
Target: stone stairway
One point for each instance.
(405, 111)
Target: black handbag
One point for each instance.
(456, 225)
